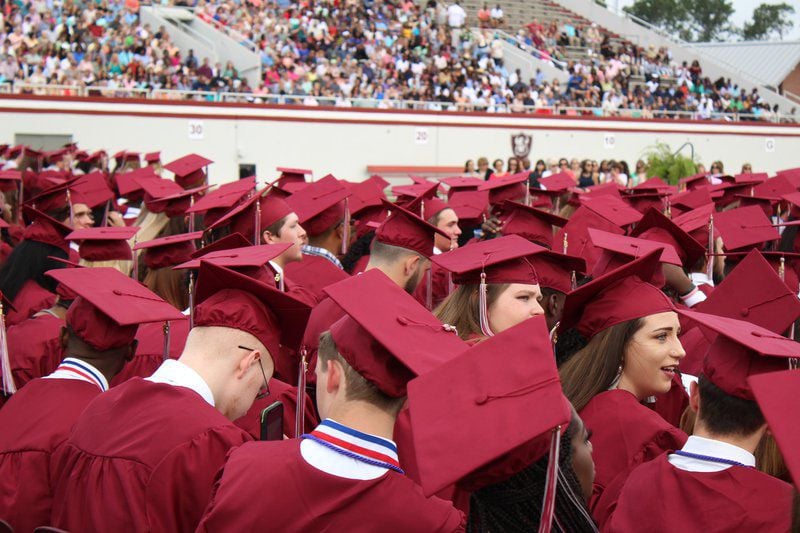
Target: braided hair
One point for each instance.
(357, 250)
(516, 503)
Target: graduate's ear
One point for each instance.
(694, 396)
(551, 305)
(64, 337)
(335, 374)
(411, 264)
(248, 359)
(267, 237)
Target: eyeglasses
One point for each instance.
(263, 392)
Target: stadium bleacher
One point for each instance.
(372, 54)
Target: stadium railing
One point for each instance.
(372, 103)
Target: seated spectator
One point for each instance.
(497, 16)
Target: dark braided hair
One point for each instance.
(357, 250)
(568, 344)
(516, 503)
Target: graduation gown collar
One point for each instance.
(73, 368)
(711, 448)
(173, 372)
(346, 452)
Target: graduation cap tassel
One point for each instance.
(484, 308)
(9, 387)
(135, 253)
(527, 196)
(191, 300)
(191, 216)
(257, 224)
(782, 275)
(573, 281)
(450, 285)
(710, 260)
(71, 211)
(346, 229)
(18, 213)
(166, 340)
(105, 213)
(299, 426)
(429, 290)
(554, 335)
(551, 482)
(564, 247)
(668, 210)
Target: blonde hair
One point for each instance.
(123, 265)
(150, 225)
(769, 459)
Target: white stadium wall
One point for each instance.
(346, 141)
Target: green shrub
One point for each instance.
(662, 162)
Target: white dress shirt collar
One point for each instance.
(173, 372)
(712, 448)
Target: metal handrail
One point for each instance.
(705, 56)
(233, 34)
(42, 89)
(562, 65)
(372, 103)
(791, 96)
(177, 94)
(182, 26)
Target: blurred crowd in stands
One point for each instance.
(587, 172)
(334, 52)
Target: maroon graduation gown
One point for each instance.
(665, 498)
(298, 291)
(31, 298)
(33, 424)
(150, 349)
(321, 319)
(142, 457)
(287, 395)
(314, 273)
(625, 434)
(673, 403)
(706, 289)
(303, 498)
(34, 347)
(440, 287)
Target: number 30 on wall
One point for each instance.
(196, 131)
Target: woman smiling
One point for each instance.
(632, 354)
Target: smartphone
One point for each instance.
(272, 422)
